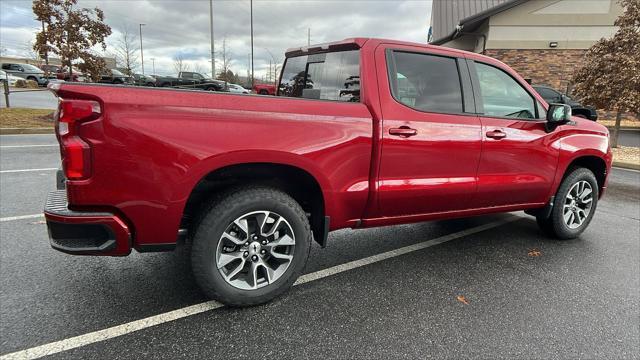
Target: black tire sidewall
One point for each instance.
(558, 226)
(217, 219)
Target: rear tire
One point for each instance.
(574, 206)
(233, 257)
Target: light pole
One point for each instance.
(213, 56)
(141, 52)
(153, 64)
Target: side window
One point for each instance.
(502, 96)
(326, 76)
(426, 82)
(6, 66)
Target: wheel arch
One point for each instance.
(297, 181)
(593, 162)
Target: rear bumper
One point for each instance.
(85, 233)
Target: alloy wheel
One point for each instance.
(577, 204)
(255, 250)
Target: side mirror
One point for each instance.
(558, 114)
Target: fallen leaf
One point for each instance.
(534, 252)
(462, 299)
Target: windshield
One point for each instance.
(116, 72)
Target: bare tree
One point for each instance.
(226, 60)
(126, 51)
(197, 67)
(30, 53)
(179, 64)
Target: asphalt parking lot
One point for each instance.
(485, 287)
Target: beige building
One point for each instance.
(543, 40)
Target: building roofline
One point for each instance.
(477, 18)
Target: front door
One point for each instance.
(519, 158)
(431, 137)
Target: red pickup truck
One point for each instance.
(264, 89)
(363, 133)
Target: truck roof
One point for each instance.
(359, 42)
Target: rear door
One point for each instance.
(519, 158)
(431, 138)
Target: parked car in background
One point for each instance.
(264, 89)
(237, 89)
(113, 76)
(144, 80)
(50, 69)
(11, 79)
(430, 133)
(76, 75)
(190, 80)
(28, 71)
(552, 95)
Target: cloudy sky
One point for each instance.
(181, 27)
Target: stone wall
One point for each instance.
(553, 67)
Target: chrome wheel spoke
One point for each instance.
(284, 240)
(232, 236)
(585, 193)
(570, 218)
(270, 273)
(242, 224)
(280, 256)
(225, 259)
(252, 278)
(230, 276)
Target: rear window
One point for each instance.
(327, 76)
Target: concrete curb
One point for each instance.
(626, 165)
(14, 131)
(625, 128)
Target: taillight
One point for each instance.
(76, 153)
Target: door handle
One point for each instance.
(496, 134)
(403, 131)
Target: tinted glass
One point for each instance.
(6, 66)
(30, 68)
(547, 94)
(502, 96)
(328, 76)
(427, 82)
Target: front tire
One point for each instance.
(574, 205)
(250, 246)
